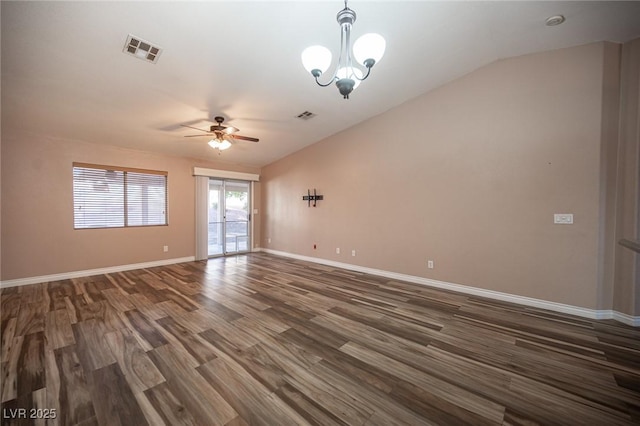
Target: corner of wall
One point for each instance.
(609, 159)
(626, 281)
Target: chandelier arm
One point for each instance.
(327, 84)
(365, 76)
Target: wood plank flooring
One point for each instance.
(263, 340)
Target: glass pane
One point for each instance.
(236, 216)
(146, 199)
(216, 217)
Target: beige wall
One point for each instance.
(37, 209)
(627, 262)
(468, 175)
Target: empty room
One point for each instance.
(320, 213)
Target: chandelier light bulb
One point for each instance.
(370, 46)
(316, 58)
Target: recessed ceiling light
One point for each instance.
(554, 20)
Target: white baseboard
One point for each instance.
(90, 272)
(521, 300)
(626, 319)
(506, 297)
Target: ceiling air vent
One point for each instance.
(305, 115)
(142, 49)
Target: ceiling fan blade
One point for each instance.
(195, 128)
(198, 136)
(244, 138)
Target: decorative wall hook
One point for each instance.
(309, 198)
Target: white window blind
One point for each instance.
(146, 199)
(111, 197)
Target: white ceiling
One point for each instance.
(64, 74)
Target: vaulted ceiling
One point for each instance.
(64, 73)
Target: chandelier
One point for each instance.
(367, 50)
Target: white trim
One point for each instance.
(626, 319)
(202, 217)
(252, 222)
(225, 174)
(90, 272)
(506, 297)
(521, 300)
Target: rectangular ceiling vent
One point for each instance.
(142, 49)
(305, 115)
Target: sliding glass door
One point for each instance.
(229, 216)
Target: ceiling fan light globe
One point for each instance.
(219, 144)
(316, 58)
(369, 46)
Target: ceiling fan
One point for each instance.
(222, 134)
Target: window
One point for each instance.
(114, 197)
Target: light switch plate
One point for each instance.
(563, 218)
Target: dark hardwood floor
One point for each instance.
(262, 340)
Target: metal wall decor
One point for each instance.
(312, 197)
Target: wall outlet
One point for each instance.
(353, 252)
(268, 240)
(255, 211)
(430, 264)
(337, 250)
(563, 218)
(165, 249)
